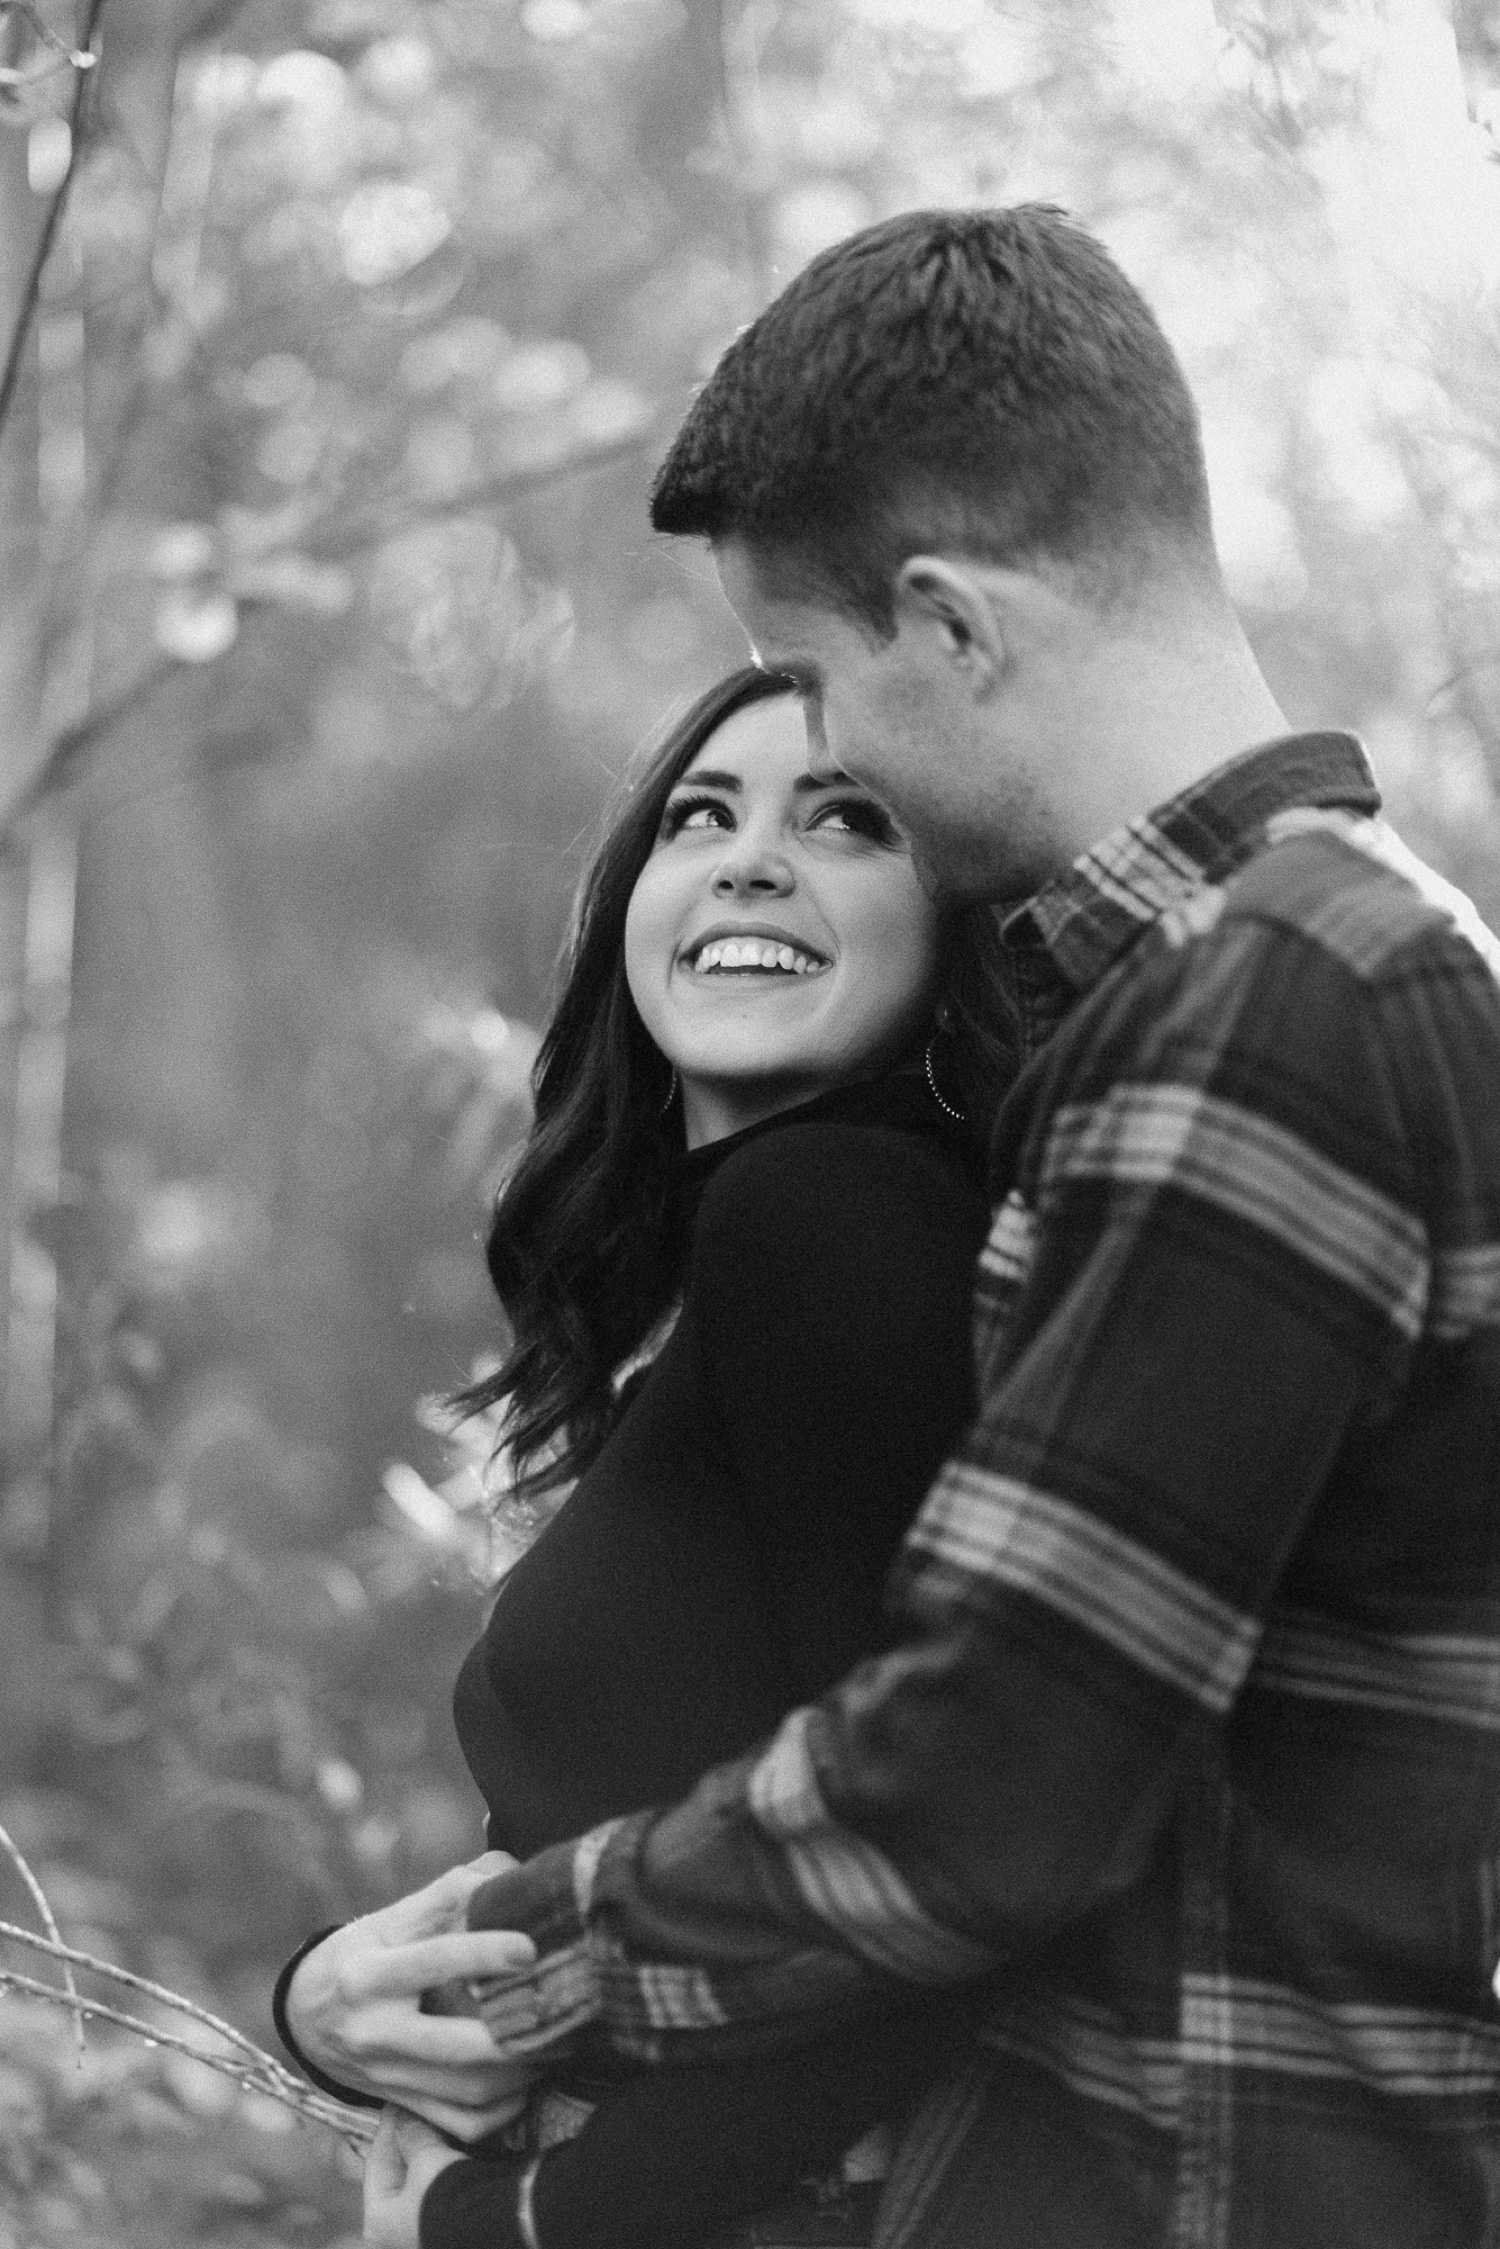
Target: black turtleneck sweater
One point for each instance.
(721, 1561)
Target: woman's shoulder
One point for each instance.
(823, 1182)
(829, 1301)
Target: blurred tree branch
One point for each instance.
(72, 748)
(360, 531)
(77, 119)
(73, 745)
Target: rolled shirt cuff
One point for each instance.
(535, 2009)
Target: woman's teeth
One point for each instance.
(753, 952)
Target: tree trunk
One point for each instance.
(21, 1621)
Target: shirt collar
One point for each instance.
(1063, 938)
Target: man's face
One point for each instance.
(904, 717)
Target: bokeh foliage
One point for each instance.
(367, 322)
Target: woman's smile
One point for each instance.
(758, 953)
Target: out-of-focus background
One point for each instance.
(348, 334)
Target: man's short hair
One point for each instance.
(979, 382)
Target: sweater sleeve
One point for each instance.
(678, 2154)
(829, 1296)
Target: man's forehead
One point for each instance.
(785, 634)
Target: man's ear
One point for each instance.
(934, 595)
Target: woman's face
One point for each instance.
(777, 941)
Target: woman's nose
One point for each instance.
(752, 870)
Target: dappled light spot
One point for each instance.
(537, 375)
(398, 70)
(550, 20)
(388, 227)
(302, 79)
(197, 625)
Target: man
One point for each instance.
(1192, 1747)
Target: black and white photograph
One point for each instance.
(749, 1124)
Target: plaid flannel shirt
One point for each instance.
(1192, 1747)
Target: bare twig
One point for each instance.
(251, 2067)
(55, 1948)
(351, 2125)
(31, 295)
(17, 1857)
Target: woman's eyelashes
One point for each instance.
(858, 816)
(862, 816)
(695, 812)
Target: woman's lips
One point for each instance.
(753, 956)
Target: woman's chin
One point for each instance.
(770, 1073)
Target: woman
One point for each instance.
(750, 1122)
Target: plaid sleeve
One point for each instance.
(1214, 1265)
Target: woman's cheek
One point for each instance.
(648, 947)
(904, 951)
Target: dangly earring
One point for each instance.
(671, 1091)
(959, 1116)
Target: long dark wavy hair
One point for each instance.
(583, 1249)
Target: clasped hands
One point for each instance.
(355, 2007)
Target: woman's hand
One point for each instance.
(354, 2007)
(404, 2158)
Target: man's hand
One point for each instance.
(404, 2158)
(354, 2007)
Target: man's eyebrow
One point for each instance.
(807, 784)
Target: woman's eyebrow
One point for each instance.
(807, 783)
(702, 778)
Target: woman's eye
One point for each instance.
(695, 813)
(856, 816)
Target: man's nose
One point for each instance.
(821, 763)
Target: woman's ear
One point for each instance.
(943, 601)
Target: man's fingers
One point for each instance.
(405, 1969)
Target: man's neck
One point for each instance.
(1155, 722)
